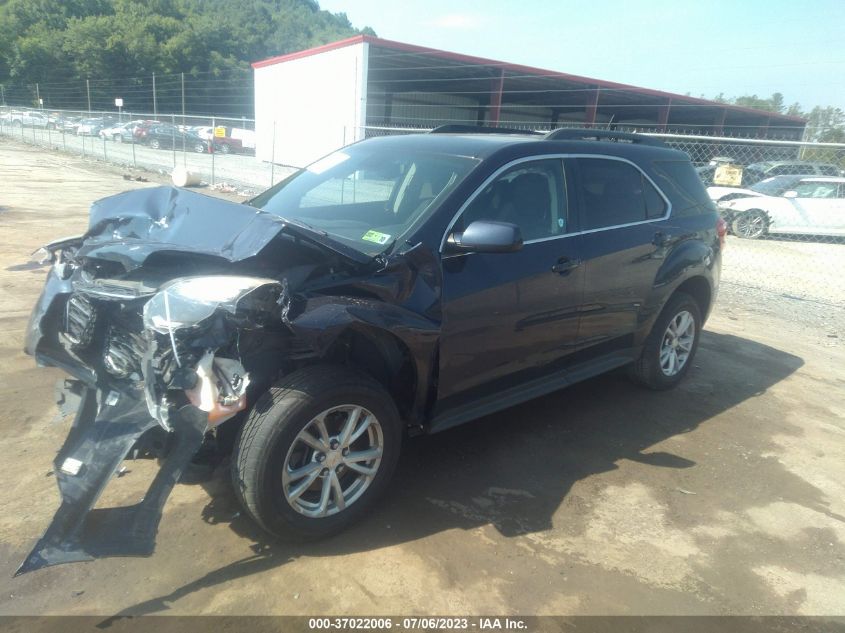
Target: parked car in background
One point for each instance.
(169, 137)
(141, 130)
(806, 205)
(29, 118)
(92, 126)
(755, 172)
(126, 132)
(773, 186)
(234, 140)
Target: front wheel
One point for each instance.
(316, 451)
(671, 345)
(199, 148)
(155, 143)
(750, 225)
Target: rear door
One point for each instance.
(625, 235)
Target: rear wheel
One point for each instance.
(117, 138)
(155, 143)
(750, 225)
(199, 148)
(671, 345)
(224, 149)
(316, 451)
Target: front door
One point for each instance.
(511, 317)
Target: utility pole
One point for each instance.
(155, 105)
(183, 98)
(3, 94)
(37, 96)
(88, 91)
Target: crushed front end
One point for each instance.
(158, 358)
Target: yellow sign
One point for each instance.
(220, 132)
(728, 176)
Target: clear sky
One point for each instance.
(796, 47)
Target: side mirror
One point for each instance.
(486, 236)
(790, 194)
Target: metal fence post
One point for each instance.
(105, 154)
(132, 142)
(173, 136)
(213, 127)
(273, 156)
(49, 137)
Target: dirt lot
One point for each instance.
(725, 496)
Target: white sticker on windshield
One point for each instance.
(375, 236)
(327, 162)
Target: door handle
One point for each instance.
(565, 265)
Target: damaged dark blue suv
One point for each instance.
(402, 285)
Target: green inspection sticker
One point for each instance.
(375, 236)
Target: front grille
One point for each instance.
(122, 353)
(80, 319)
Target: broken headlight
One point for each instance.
(188, 301)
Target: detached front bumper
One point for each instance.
(106, 427)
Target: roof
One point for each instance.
(482, 146)
(517, 68)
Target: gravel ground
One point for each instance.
(723, 496)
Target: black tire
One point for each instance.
(647, 370)
(200, 148)
(750, 225)
(117, 138)
(271, 429)
(17, 124)
(224, 149)
(155, 143)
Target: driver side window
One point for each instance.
(531, 195)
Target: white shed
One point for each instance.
(310, 103)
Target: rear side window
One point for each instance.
(614, 192)
(683, 186)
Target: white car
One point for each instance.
(809, 205)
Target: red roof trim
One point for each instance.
(357, 39)
(527, 70)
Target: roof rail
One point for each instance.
(580, 134)
(456, 128)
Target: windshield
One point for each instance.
(774, 186)
(365, 196)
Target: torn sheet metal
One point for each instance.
(106, 427)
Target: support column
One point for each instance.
(663, 116)
(719, 122)
(498, 84)
(591, 107)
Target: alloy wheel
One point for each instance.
(332, 461)
(677, 343)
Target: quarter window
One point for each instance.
(614, 192)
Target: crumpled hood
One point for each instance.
(131, 226)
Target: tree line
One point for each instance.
(117, 45)
(824, 123)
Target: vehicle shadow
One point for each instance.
(513, 470)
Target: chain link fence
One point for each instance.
(219, 151)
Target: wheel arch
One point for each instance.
(382, 355)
